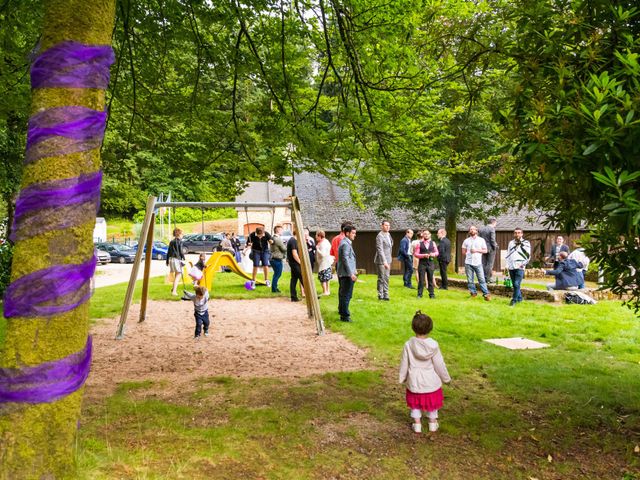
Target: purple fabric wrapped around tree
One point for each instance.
(48, 381)
(50, 291)
(58, 205)
(73, 65)
(40, 206)
(78, 123)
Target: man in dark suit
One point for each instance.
(406, 259)
(556, 249)
(488, 233)
(444, 247)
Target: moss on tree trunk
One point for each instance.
(37, 441)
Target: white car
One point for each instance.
(102, 256)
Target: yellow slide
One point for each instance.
(223, 259)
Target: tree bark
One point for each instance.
(37, 440)
(450, 225)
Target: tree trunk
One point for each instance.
(37, 440)
(450, 225)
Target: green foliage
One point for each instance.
(187, 215)
(616, 244)
(574, 121)
(6, 256)
(19, 30)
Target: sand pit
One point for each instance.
(248, 338)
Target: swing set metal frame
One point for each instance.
(146, 238)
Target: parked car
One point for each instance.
(119, 253)
(208, 242)
(159, 250)
(102, 256)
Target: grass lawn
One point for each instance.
(571, 411)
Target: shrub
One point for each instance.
(6, 256)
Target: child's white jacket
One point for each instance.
(422, 368)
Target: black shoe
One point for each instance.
(295, 299)
(512, 303)
(432, 296)
(346, 319)
(411, 287)
(276, 291)
(419, 295)
(385, 299)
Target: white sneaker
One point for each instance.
(417, 427)
(267, 283)
(433, 426)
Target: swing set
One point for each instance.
(217, 259)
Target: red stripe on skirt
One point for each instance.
(425, 401)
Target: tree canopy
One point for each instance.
(516, 102)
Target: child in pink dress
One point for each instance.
(423, 371)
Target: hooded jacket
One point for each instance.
(422, 368)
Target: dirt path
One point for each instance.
(248, 338)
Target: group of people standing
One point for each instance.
(419, 256)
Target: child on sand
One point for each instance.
(423, 371)
(201, 309)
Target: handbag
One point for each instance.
(251, 255)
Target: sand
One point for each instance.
(247, 338)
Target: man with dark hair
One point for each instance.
(293, 257)
(346, 270)
(335, 241)
(444, 258)
(426, 251)
(488, 233)
(472, 248)
(260, 242)
(518, 255)
(556, 248)
(382, 259)
(406, 258)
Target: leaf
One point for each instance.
(590, 149)
(636, 449)
(549, 458)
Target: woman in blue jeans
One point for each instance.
(278, 251)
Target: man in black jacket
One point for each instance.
(488, 233)
(444, 248)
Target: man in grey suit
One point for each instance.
(382, 259)
(346, 270)
(488, 233)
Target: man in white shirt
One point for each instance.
(518, 255)
(472, 248)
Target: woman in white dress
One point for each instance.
(325, 260)
(247, 263)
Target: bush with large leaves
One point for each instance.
(576, 126)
